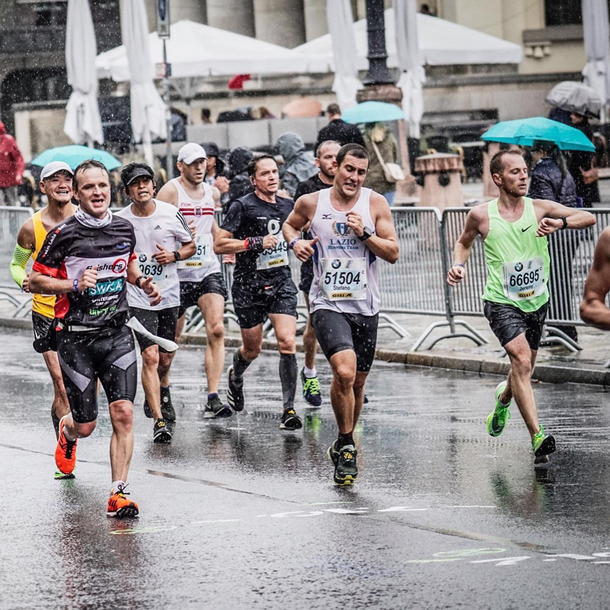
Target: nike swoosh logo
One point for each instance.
(526, 228)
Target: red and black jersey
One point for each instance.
(71, 248)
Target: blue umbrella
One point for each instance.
(74, 154)
(373, 112)
(524, 132)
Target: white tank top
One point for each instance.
(204, 261)
(345, 270)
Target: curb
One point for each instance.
(543, 372)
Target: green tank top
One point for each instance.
(517, 260)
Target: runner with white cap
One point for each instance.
(201, 281)
(56, 184)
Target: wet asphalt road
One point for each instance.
(238, 514)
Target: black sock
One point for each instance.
(344, 439)
(240, 364)
(288, 376)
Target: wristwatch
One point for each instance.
(565, 222)
(365, 235)
(176, 256)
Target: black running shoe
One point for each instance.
(167, 409)
(235, 393)
(161, 433)
(366, 400)
(216, 408)
(290, 420)
(147, 410)
(311, 389)
(346, 469)
(332, 453)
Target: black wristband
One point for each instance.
(255, 244)
(365, 235)
(138, 281)
(177, 256)
(565, 222)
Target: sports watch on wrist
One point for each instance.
(177, 256)
(365, 235)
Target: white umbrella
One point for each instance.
(596, 32)
(340, 26)
(147, 107)
(83, 124)
(441, 43)
(413, 75)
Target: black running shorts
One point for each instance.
(107, 354)
(508, 322)
(337, 332)
(254, 304)
(191, 292)
(306, 276)
(161, 323)
(44, 333)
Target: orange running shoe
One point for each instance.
(119, 506)
(65, 452)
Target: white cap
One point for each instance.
(55, 166)
(190, 152)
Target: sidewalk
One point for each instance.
(555, 364)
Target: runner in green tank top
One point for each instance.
(514, 229)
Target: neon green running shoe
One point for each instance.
(543, 445)
(60, 476)
(496, 421)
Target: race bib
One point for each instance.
(524, 280)
(204, 255)
(344, 278)
(151, 268)
(273, 257)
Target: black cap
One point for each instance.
(129, 174)
(211, 149)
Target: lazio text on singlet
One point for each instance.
(204, 261)
(345, 270)
(517, 260)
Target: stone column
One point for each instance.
(442, 180)
(316, 24)
(232, 15)
(281, 22)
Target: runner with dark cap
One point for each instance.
(56, 184)
(162, 239)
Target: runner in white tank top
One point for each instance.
(345, 270)
(352, 227)
(201, 281)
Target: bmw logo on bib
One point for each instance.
(336, 264)
(519, 267)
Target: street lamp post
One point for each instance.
(379, 83)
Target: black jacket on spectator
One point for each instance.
(577, 160)
(547, 182)
(341, 132)
(240, 184)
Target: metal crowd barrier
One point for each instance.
(11, 219)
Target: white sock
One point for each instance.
(309, 373)
(115, 486)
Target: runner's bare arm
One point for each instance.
(384, 242)
(593, 309)
(165, 257)
(463, 246)
(135, 277)
(552, 213)
(300, 218)
(168, 193)
(45, 284)
(23, 250)
(216, 196)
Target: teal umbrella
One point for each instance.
(524, 132)
(373, 112)
(74, 155)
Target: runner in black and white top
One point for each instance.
(262, 283)
(162, 238)
(325, 160)
(201, 281)
(351, 227)
(87, 260)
